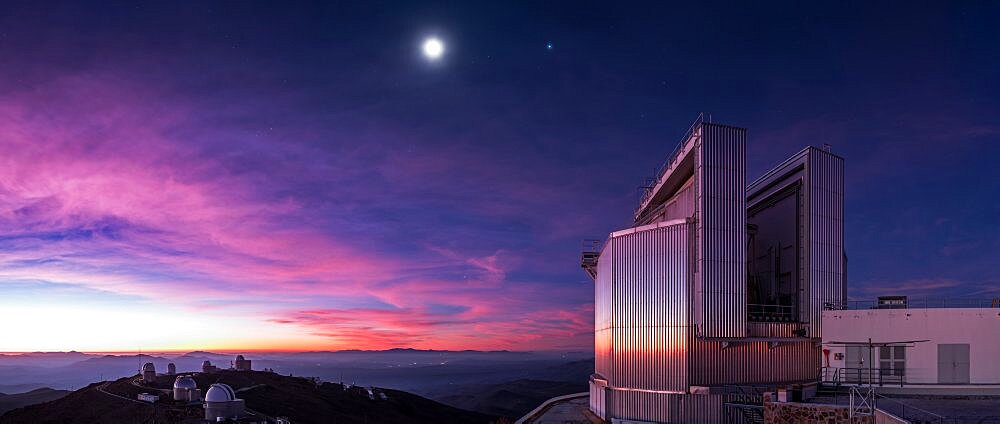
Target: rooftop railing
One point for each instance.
(927, 303)
(762, 312)
(909, 412)
(662, 170)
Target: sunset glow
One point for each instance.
(262, 176)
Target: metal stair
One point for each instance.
(752, 414)
(590, 253)
(746, 405)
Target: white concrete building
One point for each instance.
(913, 346)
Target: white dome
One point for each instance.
(185, 382)
(220, 393)
(206, 364)
(148, 367)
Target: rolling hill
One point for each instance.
(302, 400)
(8, 402)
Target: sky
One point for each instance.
(298, 176)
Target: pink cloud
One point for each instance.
(104, 187)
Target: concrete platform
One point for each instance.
(569, 409)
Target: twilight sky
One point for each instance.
(220, 175)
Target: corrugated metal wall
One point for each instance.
(597, 399)
(680, 206)
(602, 309)
(720, 281)
(823, 269)
(752, 363)
(655, 285)
(827, 273)
(772, 329)
(644, 406)
(649, 304)
(670, 408)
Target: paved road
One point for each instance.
(152, 417)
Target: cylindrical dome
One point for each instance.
(185, 382)
(220, 393)
(148, 367)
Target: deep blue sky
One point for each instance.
(307, 164)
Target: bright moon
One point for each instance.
(433, 48)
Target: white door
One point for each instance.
(856, 370)
(953, 363)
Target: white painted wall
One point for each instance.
(979, 327)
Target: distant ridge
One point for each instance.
(303, 400)
(14, 401)
(409, 350)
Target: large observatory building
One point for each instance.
(718, 285)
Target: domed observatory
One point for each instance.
(171, 369)
(242, 364)
(717, 286)
(221, 402)
(148, 372)
(186, 389)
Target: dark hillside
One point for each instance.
(300, 399)
(8, 402)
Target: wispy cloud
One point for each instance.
(126, 196)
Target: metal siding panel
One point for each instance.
(753, 363)
(654, 285)
(720, 172)
(826, 269)
(649, 321)
(597, 399)
(602, 309)
(668, 407)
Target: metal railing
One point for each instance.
(862, 401)
(762, 312)
(591, 246)
(662, 169)
(876, 376)
(927, 303)
(909, 412)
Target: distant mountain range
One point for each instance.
(518, 397)
(8, 402)
(491, 382)
(302, 400)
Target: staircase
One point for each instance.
(752, 414)
(746, 405)
(830, 384)
(590, 253)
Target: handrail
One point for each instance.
(906, 411)
(925, 303)
(784, 312)
(545, 405)
(662, 169)
(863, 375)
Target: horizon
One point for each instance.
(244, 177)
(237, 352)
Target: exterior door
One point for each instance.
(953, 363)
(856, 365)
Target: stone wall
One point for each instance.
(794, 413)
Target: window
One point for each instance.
(892, 360)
